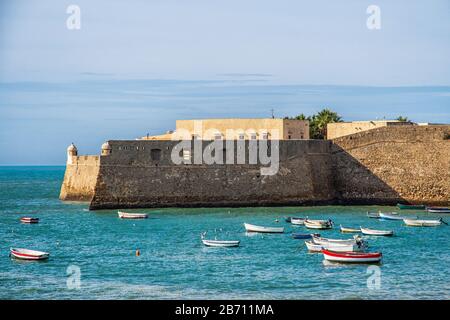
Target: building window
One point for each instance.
(265, 135)
(253, 136)
(155, 154)
(217, 136)
(241, 136)
(289, 137)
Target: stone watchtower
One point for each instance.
(72, 151)
(106, 149)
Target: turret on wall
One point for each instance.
(72, 152)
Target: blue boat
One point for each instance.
(304, 235)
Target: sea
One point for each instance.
(93, 254)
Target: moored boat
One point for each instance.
(372, 232)
(298, 221)
(221, 243)
(254, 228)
(26, 254)
(317, 247)
(393, 216)
(29, 220)
(352, 257)
(373, 215)
(304, 235)
(349, 230)
(129, 215)
(318, 224)
(438, 209)
(322, 240)
(402, 206)
(422, 223)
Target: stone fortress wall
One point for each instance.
(379, 166)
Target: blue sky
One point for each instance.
(136, 66)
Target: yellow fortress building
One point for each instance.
(236, 129)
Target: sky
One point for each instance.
(134, 67)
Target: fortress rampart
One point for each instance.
(380, 166)
(390, 164)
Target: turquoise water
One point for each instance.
(174, 264)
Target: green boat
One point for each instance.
(411, 206)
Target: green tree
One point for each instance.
(402, 119)
(318, 122)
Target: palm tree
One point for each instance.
(320, 121)
(402, 119)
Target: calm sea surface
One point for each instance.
(174, 264)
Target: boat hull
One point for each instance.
(352, 257)
(410, 206)
(422, 223)
(221, 243)
(260, 229)
(24, 254)
(316, 247)
(318, 224)
(126, 215)
(371, 232)
(29, 220)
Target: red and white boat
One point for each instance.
(128, 215)
(26, 254)
(351, 257)
(29, 220)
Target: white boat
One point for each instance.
(253, 228)
(318, 224)
(128, 215)
(349, 230)
(372, 232)
(422, 223)
(298, 221)
(316, 247)
(438, 209)
(373, 215)
(352, 257)
(221, 243)
(26, 254)
(322, 240)
(393, 216)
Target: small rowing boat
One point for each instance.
(423, 223)
(221, 243)
(352, 257)
(438, 209)
(260, 229)
(25, 254)
(372, 232)
(298, 221)
(128, 215)
(373, 215)
(29, 220)
(349, 230)
(304, 236)
(393, 216)
(321, 240)
(402, 206)
(317, 247)
(318, 224)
